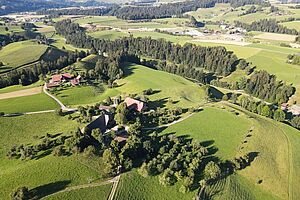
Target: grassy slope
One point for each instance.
(37, 102)
(20, 87)
(99, 193)
(47, 172)
(20, 53)
(135, 187)
(216, 125)
(139, 78)
(293, 24)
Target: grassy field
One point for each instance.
(139, 78)
(119, 23)
(37, 102)
(21, 53)
(20, 87)
(108, 34)
(135, 187)
(217, 126)
(99, 193)
(60, 43)
(11, 29)
(46, 174)
(293, 24)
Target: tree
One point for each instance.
(279, 115)
(225, 97)
(295, 122)
(21, 193)
(212, 171)
(266, 111)
(58, 151)
(111, 162)
(120, 118)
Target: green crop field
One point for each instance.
(108, 34)
(135, 187)
(21, 53)
(46, 174)
(139, 78)
(37, 102)
(99, 193)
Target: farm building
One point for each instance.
(295, 110)
(135, 104)
(103, 122)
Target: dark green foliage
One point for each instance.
(294, 59)
(21, 193)
(267, 25)
(295, 122)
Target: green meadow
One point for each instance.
(20, 53)
(14, 88)
(46, 174)
(37, 102)
(137, 79)
(99, 193)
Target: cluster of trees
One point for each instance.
(261, 108)
(162, 11)
(239, 3)
(252, 9)
(33, 73)
(266, 25)
(294, 59)
(297, 40)
(192, 56)
(99, 11)
(24, 152)
(263, 85)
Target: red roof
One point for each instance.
(101, 107)
(67, 75)
(74, 82)
(56, 78)
(51, 85)
(135, 104)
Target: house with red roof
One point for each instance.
(135, 104)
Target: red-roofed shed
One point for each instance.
(135, 104)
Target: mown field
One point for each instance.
(135, 187)
(20, 87)
(21, 53)
(139, 78)
(46, 174)
(37, 102)
(99, 193)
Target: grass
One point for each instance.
(139, 78)
(99, 193)
(11, 29)
(108, 34)
(21, 53)
(217, 126)
(135, 187)
(37, 102)
(20, 87)
(60, 42)
(292, 25)
(45, 174)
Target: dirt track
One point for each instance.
(21, 93)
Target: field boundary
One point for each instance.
(21, 93)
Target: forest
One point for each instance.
(266, 25)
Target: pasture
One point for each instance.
(293, 24)
(37, 102)
(217, 127)
(46, 174)
(20, 53)
(99, 193)
(137, 79)
(135, 187)
(14, 88)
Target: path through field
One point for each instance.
(21, 93)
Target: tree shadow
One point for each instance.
(161, 103)
(50, 188)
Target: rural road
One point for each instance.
(62, 106)
(114, 188)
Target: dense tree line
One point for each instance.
(192, 56)
(239, 3)
(31, 74)
(162, 11)
(266, 25)
(100, 11)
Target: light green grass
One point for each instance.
(293, 24)
(11, 29)
(225, 129)
(21, 53)
(108, 34)
(94, 193)
(46, 172)
(20, 87)
(60, 42)
(139, 78)
(135, 187)
(37, 102)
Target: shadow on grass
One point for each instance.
(50, 188)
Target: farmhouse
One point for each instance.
(295, 110)
(135, 104)
(58, 79)
(103, 122)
